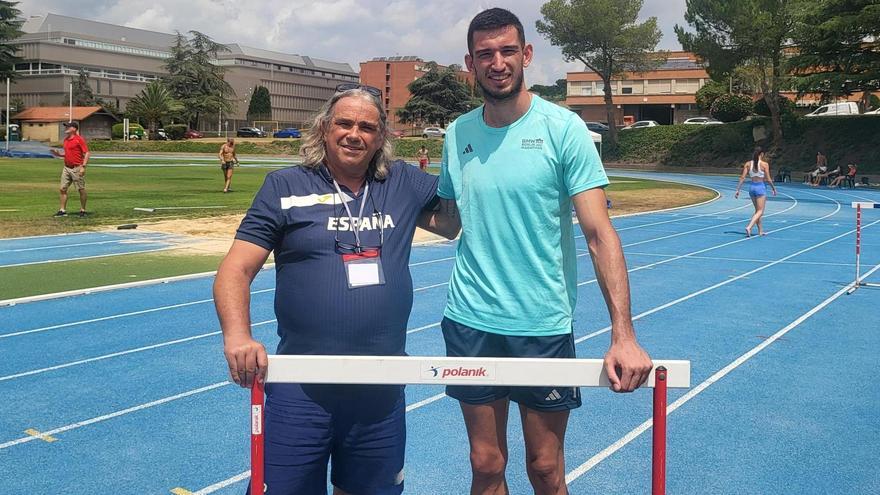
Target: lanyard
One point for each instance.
(354, 228)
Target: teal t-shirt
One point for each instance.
(515, 269)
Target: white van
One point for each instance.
(845, 108)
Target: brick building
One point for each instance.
(392, 75)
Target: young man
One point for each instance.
(424, 159)
(341, 226)
(76, 158)
(512, 169)
(228, 160)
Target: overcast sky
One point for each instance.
(349, 31)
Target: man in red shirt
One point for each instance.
(76, 157)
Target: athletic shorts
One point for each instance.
(423, 163)
(757, 189)
(464, 341)
(360, 429)
(226, 166)
(72, 175)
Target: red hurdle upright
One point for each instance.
(658, 446)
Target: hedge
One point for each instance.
(405, 148)
(843, 139)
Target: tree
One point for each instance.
(753, 33)
(605, 36)
(10, 29)
(82, 92)
(731, 108)
(260, 106)
(838, 49)
(16, 105)
(437, 97)
(194, 80)
(154, 104)
(557, 92)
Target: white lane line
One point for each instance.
(113, 317)
(419, 329)
(743, 260)
(423, 402)
(114, 414)
(120, 353)
(634, 433)
(142, 251)
(223, 484)
(719, 284)
(438, 260)
(126, 242)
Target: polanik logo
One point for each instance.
(442, 373)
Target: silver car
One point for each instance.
(433, 132)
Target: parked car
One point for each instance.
(397, 133)
(597, 127)
(250, 132)
(290, 132)
(702, 121)
(831, 109)
(876, 111)
(192, 134)
(433, 132)
(640, 124)
(161, 134)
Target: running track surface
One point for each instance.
(48, 249)
(125, 391)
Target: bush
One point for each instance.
(175, 131)
(133, 129)
(786, 106)
(708, 94)
(731, 108)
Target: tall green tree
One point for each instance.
(838, 48)
(556, 92)
(194, 80)
(260, 106)
(10, 29)
(83, 96)
(154, 104)
(438, 97)
(744, 33)
(606, 37)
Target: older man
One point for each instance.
(76, 158)
(341, 226)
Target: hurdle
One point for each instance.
(858, 205)
(426, 370)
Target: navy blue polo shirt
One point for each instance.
(298, 214)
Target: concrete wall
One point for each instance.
(41, 131)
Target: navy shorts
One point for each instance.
(360, 428)
(464, 341)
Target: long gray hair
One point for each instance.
(314, 149)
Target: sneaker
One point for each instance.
(82, 214)
(60, 213)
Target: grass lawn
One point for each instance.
(29, 194)
(29, 197)
(29, 280)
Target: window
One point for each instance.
(626, 91)
(660, 86)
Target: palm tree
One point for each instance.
(154, 104)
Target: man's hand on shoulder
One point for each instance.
(627, 365)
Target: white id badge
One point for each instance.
(363, 269)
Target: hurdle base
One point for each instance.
(860, 284)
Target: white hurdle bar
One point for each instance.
(858, 205)
(412, 370)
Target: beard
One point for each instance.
(499, 96)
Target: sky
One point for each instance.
(351, 31)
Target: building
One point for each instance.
(666, 94)
(392, 75)
(120, 61)
(44, 123)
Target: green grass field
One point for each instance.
(29, 197)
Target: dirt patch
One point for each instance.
(213, 235)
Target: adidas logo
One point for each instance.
(554, 395)
(468, 149)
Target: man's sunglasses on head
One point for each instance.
(349, 86)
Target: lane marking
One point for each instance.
(181, 491)
(41, 436)
(419, 329)
(153, 239)
(635, 432)
(90, 257)
(745, 260)
(424, 402)
(105, 417)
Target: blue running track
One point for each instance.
(125, 391)
(66, 247)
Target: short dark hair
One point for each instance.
(495, 18)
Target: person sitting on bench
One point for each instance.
(849, 176)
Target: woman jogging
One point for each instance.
(759, 171)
